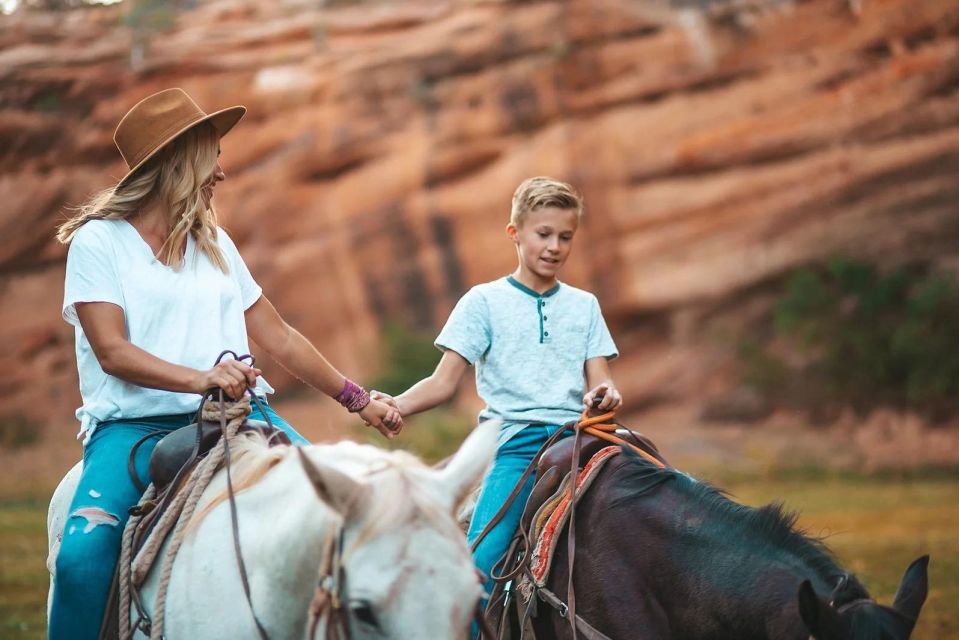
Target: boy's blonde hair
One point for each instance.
(175, 177)
(542, 191)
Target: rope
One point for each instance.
(126, 550)
(178, 515)
(236, 413)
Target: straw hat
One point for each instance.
(157, 120)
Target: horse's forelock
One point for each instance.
(403, 494)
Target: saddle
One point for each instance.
(175, 449)
(556, 461)
(170, 463)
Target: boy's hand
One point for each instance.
(610, 399)
(385, 398)
(382, 417)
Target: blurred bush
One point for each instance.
(433, 435)
(17, 431)
(848, 335)
(409, 356)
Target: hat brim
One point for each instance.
(222, 120)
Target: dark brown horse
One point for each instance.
(660, 555)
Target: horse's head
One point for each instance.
(406, 569)
(865, 619)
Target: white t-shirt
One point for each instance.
(187, 317)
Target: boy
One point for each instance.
(535, 342)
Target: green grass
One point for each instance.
(23, 573)
(876, 525)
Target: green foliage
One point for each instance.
(150, 15)
(17, 431)
(408, 357)
(865, 339)
(432, 436)
(48, 101)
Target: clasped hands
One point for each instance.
(381, 415)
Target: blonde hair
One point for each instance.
(174, 178)
(542, 191)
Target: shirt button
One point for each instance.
(545, 318)
(546, 333)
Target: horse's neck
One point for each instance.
(704, 567)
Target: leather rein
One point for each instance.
(603, 427)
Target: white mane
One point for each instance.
(399, 483)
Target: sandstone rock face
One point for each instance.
(371, 179)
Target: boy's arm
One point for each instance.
(432, 391)
(599, 381)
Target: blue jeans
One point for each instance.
(92, 534)
(512, 458)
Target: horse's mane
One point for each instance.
(772, 523)
(400, 489)
(398, 481)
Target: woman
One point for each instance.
(156, 291)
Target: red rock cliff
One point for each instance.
(371, 178)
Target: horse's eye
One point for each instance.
(362, 610)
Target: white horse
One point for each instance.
(408, 572)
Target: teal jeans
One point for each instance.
(512, 458)
(90, 546)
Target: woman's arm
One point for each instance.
(297, 355)
(434, 390)
(599, 381)
(104, 325)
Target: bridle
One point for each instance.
(330, 596)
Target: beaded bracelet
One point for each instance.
(353, 397)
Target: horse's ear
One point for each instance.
(342, 493)
(821, 619)
(467, 466)
(913, 588)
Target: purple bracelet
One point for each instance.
(353, 397)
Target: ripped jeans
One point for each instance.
(92, 534)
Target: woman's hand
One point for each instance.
(382, 417)
(233, 376)
(607, 394)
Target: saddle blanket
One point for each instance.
(552, 516)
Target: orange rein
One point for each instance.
(597, 426)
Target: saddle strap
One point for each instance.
(589, 631)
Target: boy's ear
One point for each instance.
(511, 230)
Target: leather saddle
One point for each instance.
(556, 462)
(175, 449)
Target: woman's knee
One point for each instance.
(90, 544)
